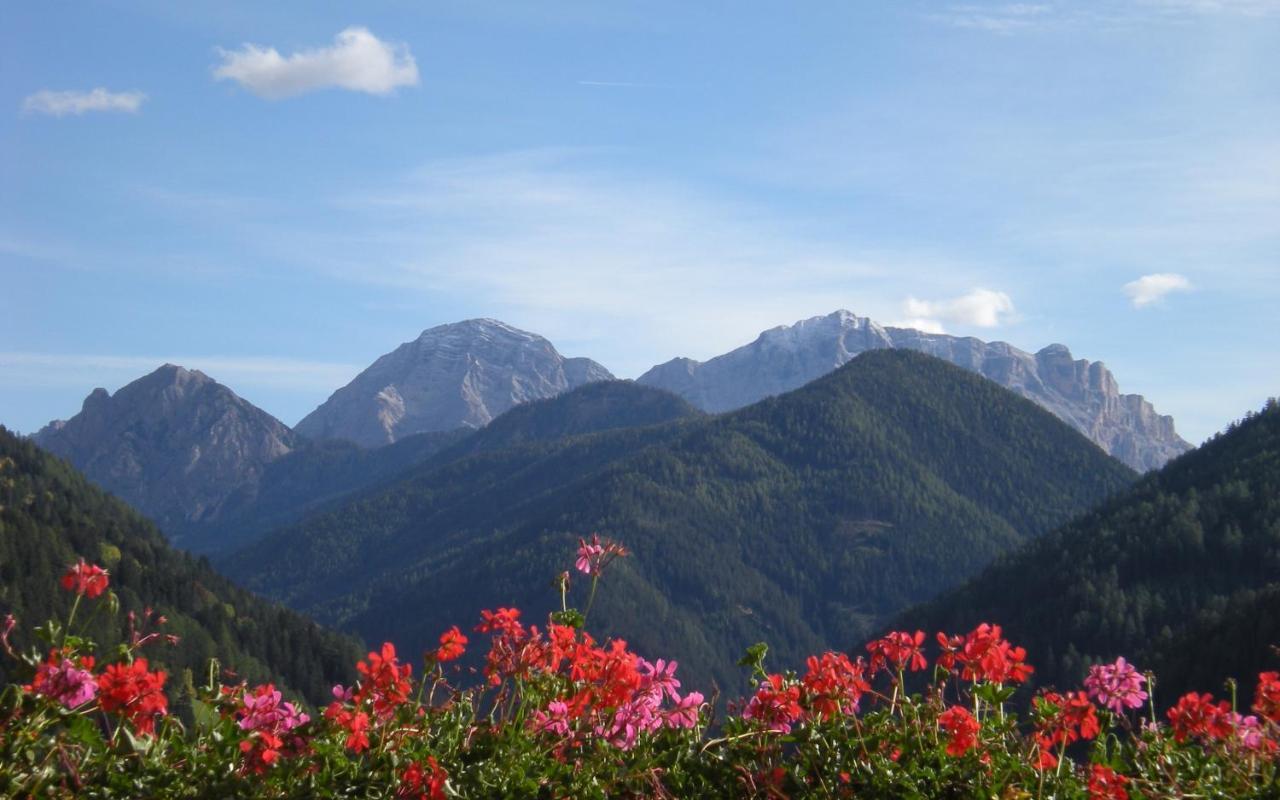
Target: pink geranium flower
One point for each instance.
(1116, 686)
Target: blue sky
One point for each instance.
(277, 193)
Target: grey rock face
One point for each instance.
(175, 444)
(463, 374)
(1084, 394)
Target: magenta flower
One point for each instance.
(589, 555)
(595, 555)
(554, 720)
(263, 711)
(342, 694)
(66, 682)
(685, 714)
(630, 720)
(1116, 686)
(1248, 731)
(659, 677)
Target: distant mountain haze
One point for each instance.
(1084, 394)
(458, 375)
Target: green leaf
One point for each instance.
(206, 719)
(571, 617)
(82, 730)
(754, 658)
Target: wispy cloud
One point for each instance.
(75, 103)
(357, 61)
(76, 369)
(996, 18)
(1153, 288)
(982, 308)
(579, 251)
(1011, 18)
(620, 84)
(1247, 8)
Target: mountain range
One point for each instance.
(1083, 394)
(807, 519)
(215, 471)
(804, 489)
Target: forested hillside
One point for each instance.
(50, 516)
(594, 408)
(313, 476)
(1180, 574)
(317, 475)
(807, 519)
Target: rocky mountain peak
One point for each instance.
(459, 374)
(174, 443)
(1085, 394)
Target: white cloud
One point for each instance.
(983, 308)
(1152, 288)
(920, 324)
(357, 60)
(60, 104)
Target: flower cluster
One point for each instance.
(66, 679)
(833, 684)
(88, 580)
(984, 655)
(1197, 715)
(604, 691)
(1062, 719)
(269, 721)
(775, 705)
(135, 693)
(558, 713)
(962, 730)
(385, 682)
(423, 781)
(1116, 686)
(897, 651)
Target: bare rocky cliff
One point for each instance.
(462, 374)
(1082, 393)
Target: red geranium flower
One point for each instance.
(900, 649)
(984, 655)
(834, 684)
(423, 782)
(355, 723)
(85, 579)
(452, 645)
(1061, 720)
(1106, 784)
(961, 728)
(1197, 715)
(135, 693)
(386, 680)
(1266, 700)
(775, 705)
